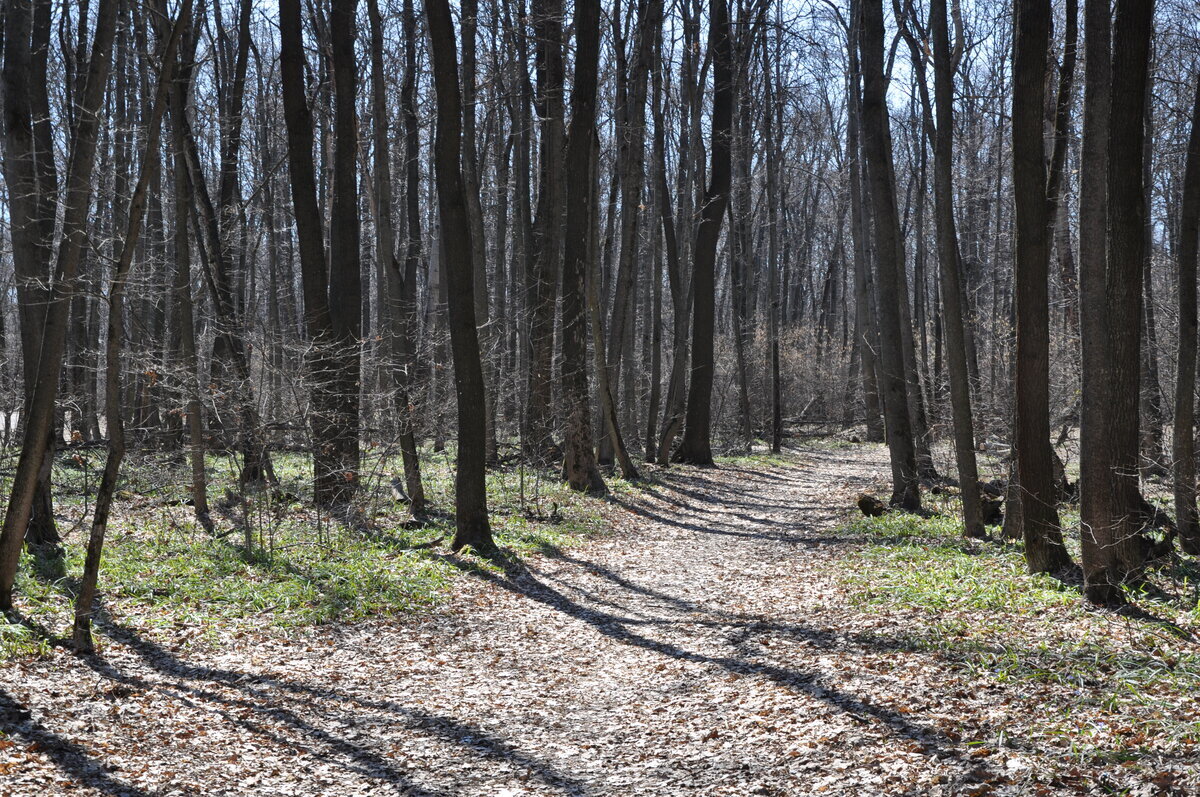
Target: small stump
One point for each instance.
(993, 510)
(871, 506)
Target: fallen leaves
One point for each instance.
(709, 647)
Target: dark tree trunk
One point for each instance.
(150, 166)
(876, 148)
(1132, 30)
(407, 306)
(471, 515)
(948, 257)
(1184, 438)
(866, 331)
(331, 297)
(579, 461)
(35, 447)
(184, 347)
(1044, 549)
(631, 132)
(385, 245)
(773, 287)
(31, 178)
(696, 446)
(1096, 502)
(542, 262)
(468, 25)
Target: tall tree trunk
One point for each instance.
(1184, 437)
(35, 446)
(696, 446)
(1153, 456)
(773, 287)
(867, 335)
(876, 147)
(345, 269)
(1096, 502)
(681, 293)
(471, 515)
(1132, 30)
(468, 25)
(331, 298)
(579, 461)
(150, 166)
(385, 247)
(542, 262)
(1044, 549)
(948, 257)
(31, 178)
(631, 132)
(184, 347)
(407, 306)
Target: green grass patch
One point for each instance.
(163, 574)
(973, 606)
(759, 456)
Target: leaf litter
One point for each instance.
(716, 643)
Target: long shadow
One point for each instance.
(73, 759)
(520, 581)
(795, 537)
(191, 679)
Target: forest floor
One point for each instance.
(735, 633)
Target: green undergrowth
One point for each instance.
(163, 574)
(759, 457)
(972, 605)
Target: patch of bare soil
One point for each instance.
(706, 647)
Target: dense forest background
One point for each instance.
(579, 238)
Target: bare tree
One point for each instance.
(696, 446)
(1044, 549)
(1184, 439)
(471, 516)
(35, 447)
(579, 460)
(876, 148)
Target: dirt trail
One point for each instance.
(703, 648)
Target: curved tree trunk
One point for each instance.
(40, 420)
(150, 166)
(696, 447)
(471, 514)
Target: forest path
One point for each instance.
(705, 647)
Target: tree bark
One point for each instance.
(150, 165)
(866, 330)
(1044, 549)
(696, 446)
(385, 244)
(1187, 520)
(471, 514)
(949, 267)
(543, 261)
(35, 446)
(876, 147)
(579, 462)
(1096, 507)
(331, 288)
(1132, 30)
(31, 177)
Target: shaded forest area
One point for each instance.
(310, 308)
(267, 256)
